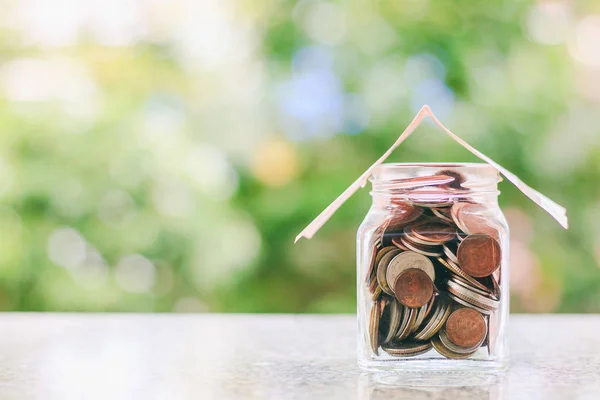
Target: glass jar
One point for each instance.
(432, 259)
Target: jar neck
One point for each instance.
(395, 184)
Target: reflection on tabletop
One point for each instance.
(416, 386)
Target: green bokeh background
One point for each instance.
(162, 156)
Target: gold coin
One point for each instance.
(375, 318)
(376, 293)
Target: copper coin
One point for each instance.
(430, 197)
(474, 218)
(443, 214)
(466, 328)
(397, 241)
(430, 251)
(479, 255)
(458, 178)
(372, 258)
(402, 215)
(413, 288)
(433, 232)
(418, 181)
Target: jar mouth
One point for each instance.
(455, 179)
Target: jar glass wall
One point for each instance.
(432, 259)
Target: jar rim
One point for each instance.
(470, 165)
(389, 170)
(458, 178)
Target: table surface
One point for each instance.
(209, 356)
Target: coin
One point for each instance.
(479, 255)
(480, 289)
(443, 214)
(413, 288)
(395, 318)
(473, 297)
(468, 299)
(458, 178)
(406, 349)
(474, 218)
(431, 232)
(453, 347)
(418, 181)
(422, 314)
(398, 243)
(376, 309)
(372, 258)
(409, 317)
(430, 197)
(376, 293)
(436, 319)
(446, 352)
(406, 260)
(430, 251)
(466, 328)
(449, 250)
(402, 215)
(460, 301)
(382, 268)
(455, 269)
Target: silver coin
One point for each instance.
(409, 317)
(465, 303)
(457, 349)
(446, 352)
(414, 239)
(395, 318)
(421, 314)
(449, 253)
(435, 322)
(456, 270)
(406, 260)
(422, 332)
(382, 268)
(407, 349)
(470, 295)
(441, 215)
(467, 285)
(430, 251)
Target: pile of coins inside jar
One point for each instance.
(433, 277)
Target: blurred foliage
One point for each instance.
(162, 156)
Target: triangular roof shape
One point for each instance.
(558, 212)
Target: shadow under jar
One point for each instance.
(432, 259)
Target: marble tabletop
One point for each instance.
(209, 356)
